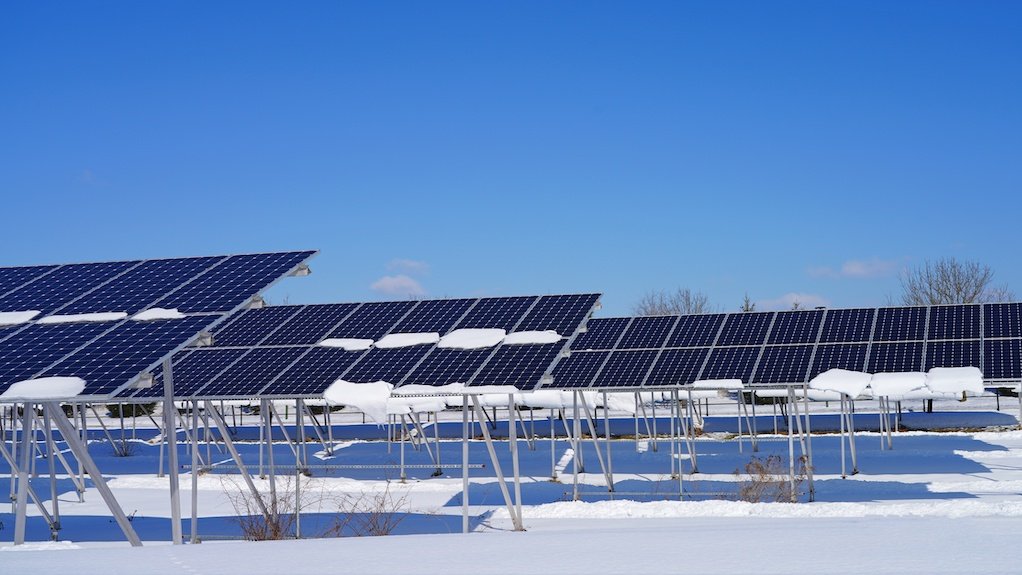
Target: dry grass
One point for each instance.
(767, 480)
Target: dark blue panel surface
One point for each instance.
(696, 330)
(231, 283)
(895, 357)
(953, 354)
(33, 349)
(560, 313)
(677, 367)
(601, 333)
(252, 372)
(519, 365)
(193, 369)
(373, 320)
(313, 373)
(648, 332)
(497, 313)
(579, 368)
(13, 278)
(954, 322)
(731, 363)
(626, 368)
(848, 325)
(784, 364)
(745, 328)
(796, 326)
(900, 324)
(54, 290)
(1002, 359)
(131, 348)
(252, 326)
(139, 287)
(434, 316)
(312, 324)
(1002, 320)
(445, 366)
(390, 365)
(839, 356)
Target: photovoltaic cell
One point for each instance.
(626, 368)
(445, 366)
(253, 325)
(784, 364)
(796, 327)
(390, 365)
(900, 324)
(497, 313)
(601, 333)
(313, 373)
(648, 332)
(560, 313)
(13, 278)
(746, 328)
(848, 325)
(519, 365)
(579, 368)
(731, 363)
(1002, 359)
(252, 372)
(1002, 320)
(953, 354)
(33, 349)
(193, 369)
(839, 356)
(895, 357)
(696, 330)
(434, 316)
(677, 367)
(954, 322)
(55, 290)
(311, 325)
(372, 320)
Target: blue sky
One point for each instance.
(468, 148)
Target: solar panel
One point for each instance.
(953, 354)
(745, 328)
(310, 325)
(560, 313)
(647, 332)
(13, 278)
(252, 326)
(895, 357)
(373, 320)
(954, 322)
(434, 316)
(677, 367)
(62, 286)
(36, 347)
(626, 368)
(1002, 359)
(579, 368)
(312, 373)
(848, 325)
(1002, 320)
(900, 324)
(522, 366)
(193, 369)
(391, 365)
(696, 330)
(839, 356)
(498, 313)
(601, 333)
(796, 327)
(445, 366)
(731, 363)
(251, 373)
(783, 364)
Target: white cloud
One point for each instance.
(407, 266)
(858, 269)
(399, 285)
(786, 301)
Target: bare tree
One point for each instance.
(950, 281)
(678, 302)
(748, 304)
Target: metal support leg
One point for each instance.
(513, 440)
(195, 471)
(20, 516)
(218, 421)
(516, 519)
(173, 469)
(464, 464)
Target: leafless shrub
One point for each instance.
(767, 480)
(369, 514)
(950, 281)
(124, 448)
(680, 301)
(279, 520)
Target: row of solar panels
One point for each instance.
(110, 355)
(935, 323)
(271, 352)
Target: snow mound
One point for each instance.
(369, 398)
(472, 338)
(43, 546)
(17, 317)
(394, 340)
(718, 384)
(850, 383)
(84, 317)
(45, 388)
(157, 313)
(897, 385)
(532, 337)
(955, 380)
(347, 344)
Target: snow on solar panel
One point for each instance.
(839, 356)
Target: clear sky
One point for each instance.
(492, 148)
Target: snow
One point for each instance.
(897, 385)
(718, 384)
(84, 317)
(45, 388)
(532, 337)
(394, 340)
(850, 383)
(955, 380)
(472, 338)
(370, 398)
(398, 404)
(17, 317)
(158, 313)
(347, 344)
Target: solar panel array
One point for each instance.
(793, 346)
(274, 351)
(111, 355)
